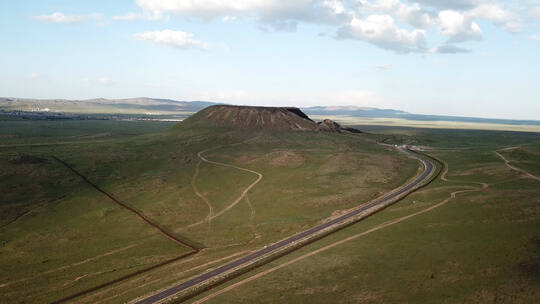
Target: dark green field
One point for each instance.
(60, 236)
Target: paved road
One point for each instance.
(428, 169)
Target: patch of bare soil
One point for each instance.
(488, 170)
(99, 135)
(506, 293)
(285, 159)
(414, 205)
(354, 161)
(366, 297)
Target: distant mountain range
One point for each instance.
(140, 105)
(389, 113)
(155, 106)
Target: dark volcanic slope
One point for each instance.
(259, 118)
(245, 117)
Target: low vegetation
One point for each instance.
(471, 236)
(476, 242)
(61, 235)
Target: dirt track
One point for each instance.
(507, 163)
(211, 214)
(199, 194)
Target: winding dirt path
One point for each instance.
(199, 194)
(445, 171)
(211, 214)
(353, 237)
(251, 217)
(507, 163)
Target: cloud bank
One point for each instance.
(396, 25)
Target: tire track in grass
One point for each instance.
(507, 163)
(251, 217)
(203, 198)
(68, 266)
(211, 216)
(199, 194)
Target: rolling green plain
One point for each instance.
(61, 237)
(480, 245)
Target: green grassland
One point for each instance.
(60, 236)
(39, 132)
(483, 246)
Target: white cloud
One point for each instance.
(535, 37)
(60, 18)
(126, 17)
(381, 30)
(280, 15)
(499, 16)
(177, 39)
(448, 49)
(411, 14)
(458, 27)
(535, 12)
(397, 25)
(451, 4)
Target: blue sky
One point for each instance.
(465, 57)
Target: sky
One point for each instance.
(477, 58)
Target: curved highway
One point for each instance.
(429, 168)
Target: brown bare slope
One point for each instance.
(258, 118)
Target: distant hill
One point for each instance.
(156, 106)
(259, 118)
(365, 112)
(140, 105)
(353, 111)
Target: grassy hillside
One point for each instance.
(457, 240)
(61, 235)
(470, 237)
